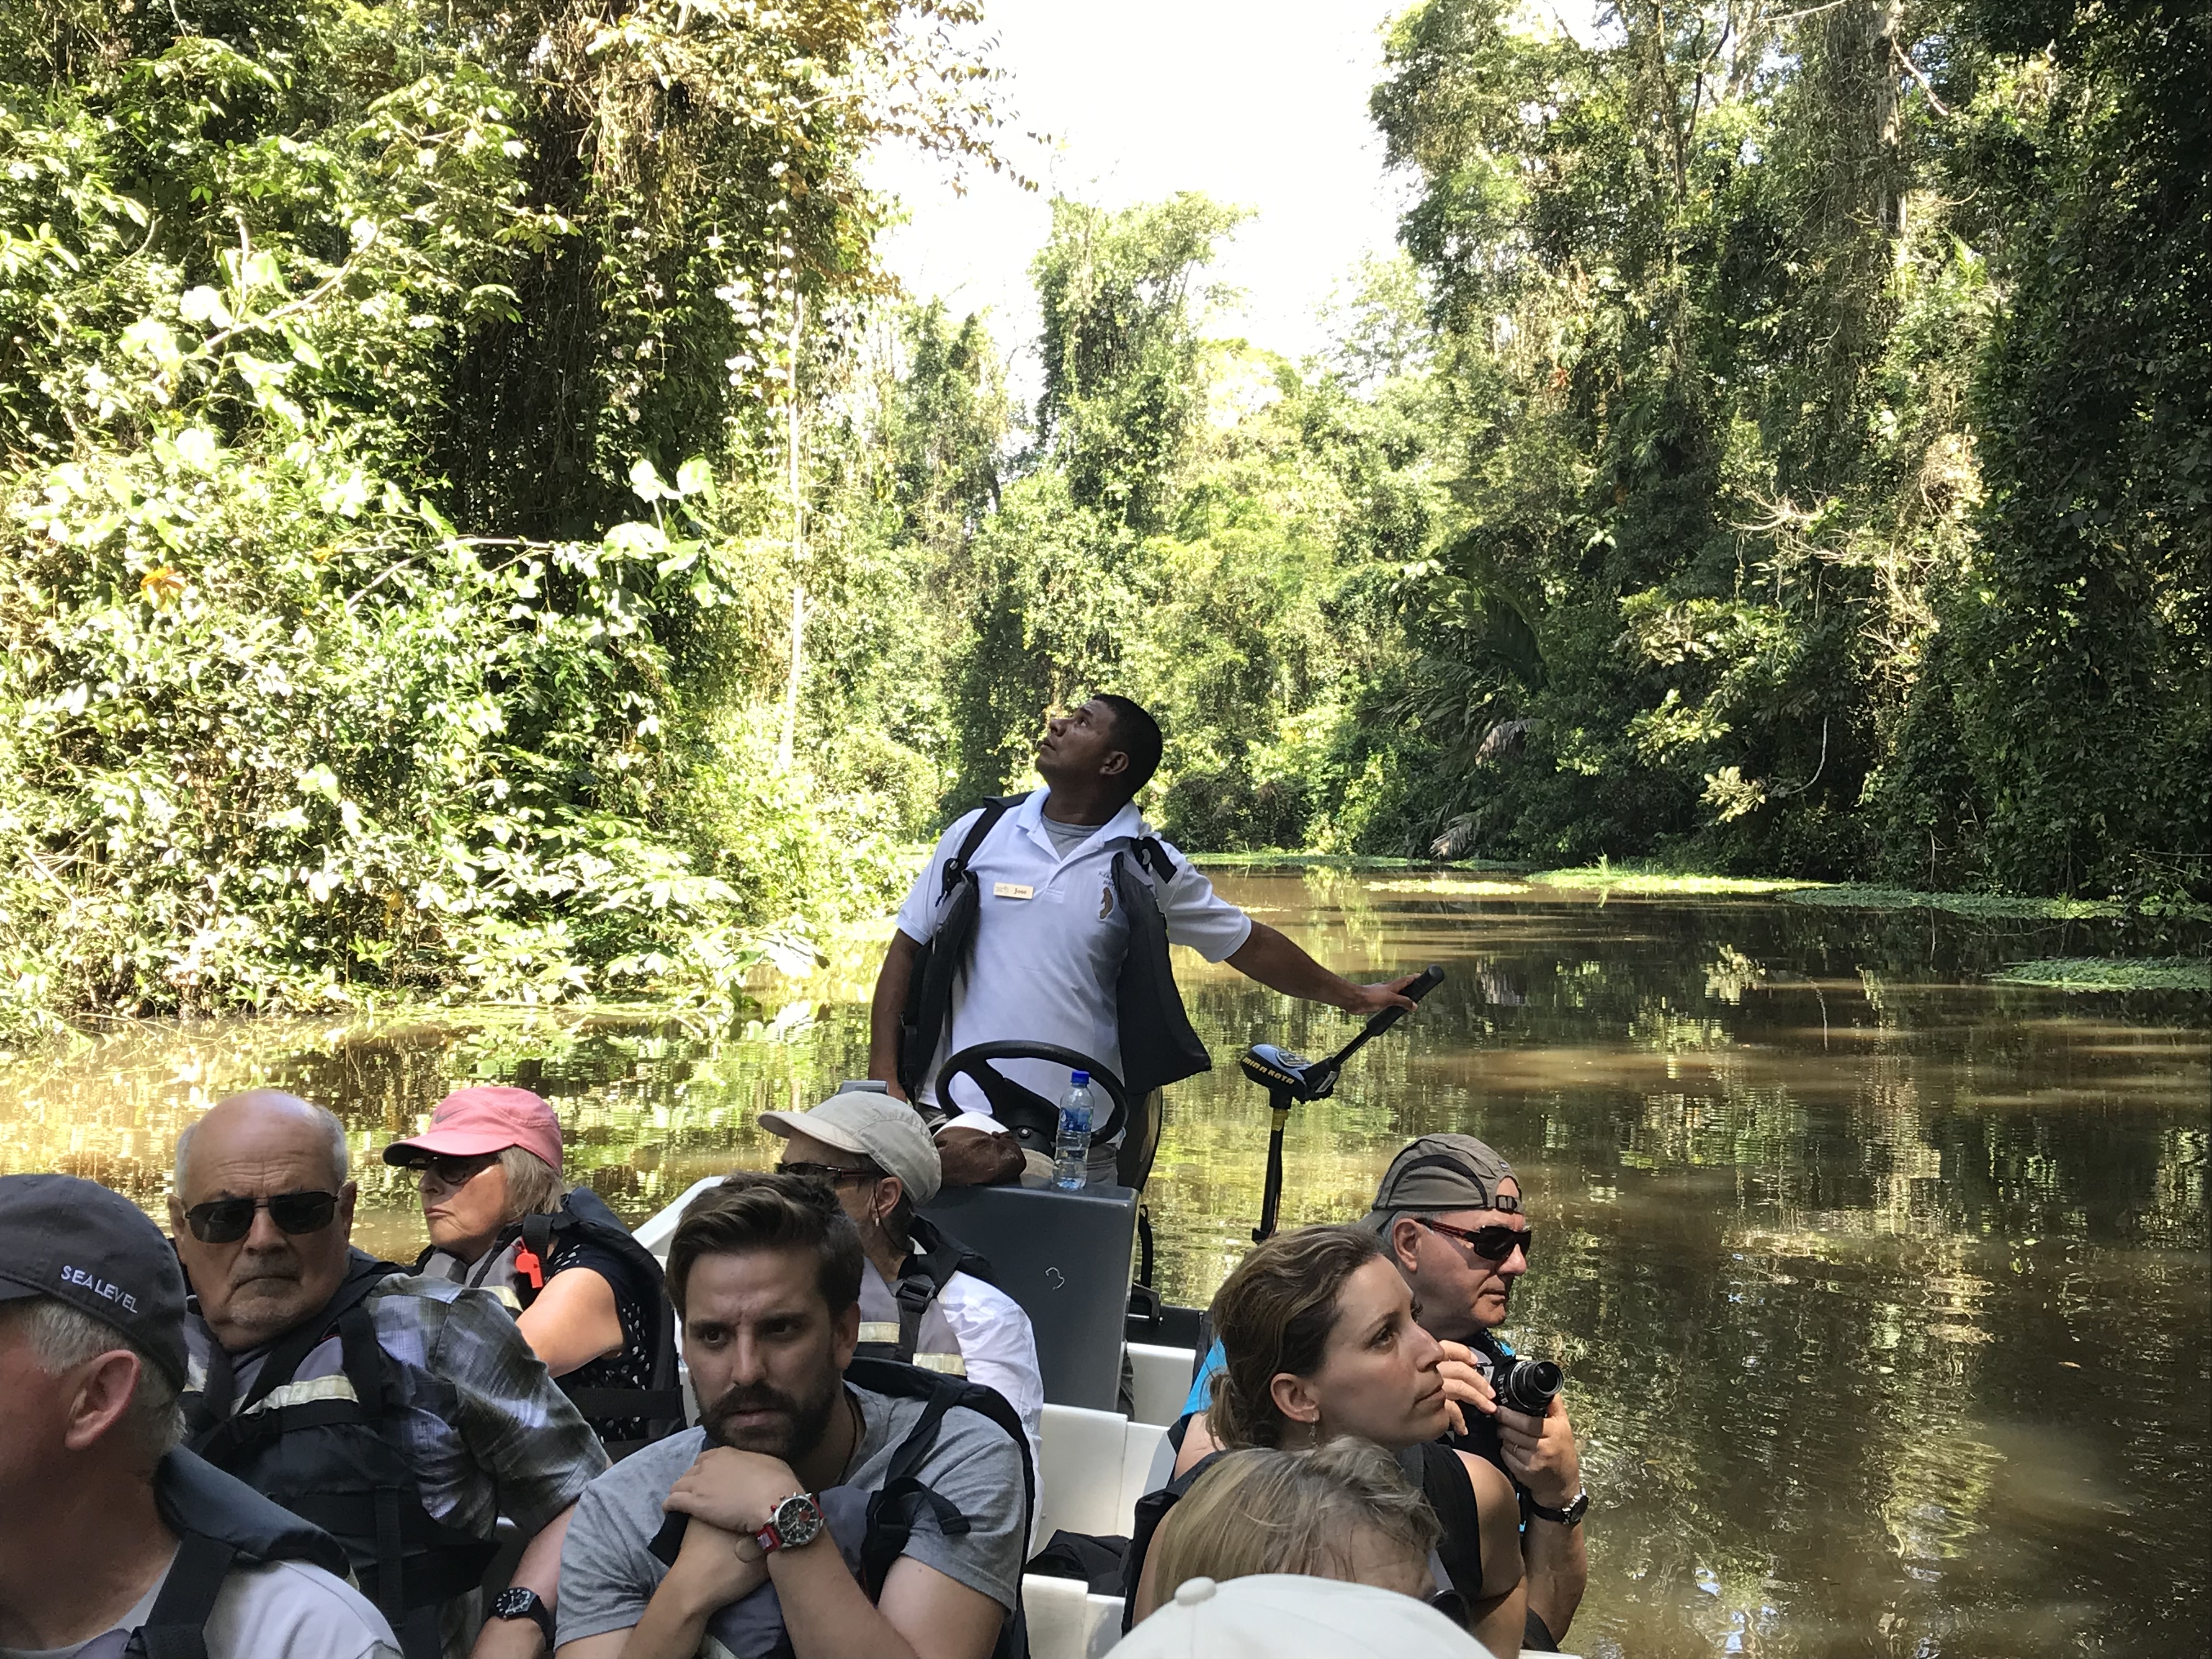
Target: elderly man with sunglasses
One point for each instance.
(1449, 1209)
(406, 1416)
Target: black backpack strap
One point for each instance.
(972, 843)
(1443, 1482)
(1152, 1509)
(669, 1540)
(538, 1230)
(1158, 864)
(177, 1627)
(892, 1511)
(1158, 1046)
(944, 955)
(659, 1404)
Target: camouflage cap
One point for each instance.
(1443, 1172)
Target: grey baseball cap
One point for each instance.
(94, 1250)
(1443, 1172)
(863, 1118)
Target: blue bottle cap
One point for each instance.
(1078, 1079)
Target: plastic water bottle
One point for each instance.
(1071, 1149)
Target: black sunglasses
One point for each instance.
(451, 1171)
(835, 1174)
(1491, 1243)
(227, 1220)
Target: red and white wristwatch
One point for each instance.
(792, 1525)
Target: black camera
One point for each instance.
(1526, 1385)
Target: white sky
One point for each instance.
(1262, 103)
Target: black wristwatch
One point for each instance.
(519, 1602)
(1570, 1516)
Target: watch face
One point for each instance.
(514, 1603)
(798, 1522)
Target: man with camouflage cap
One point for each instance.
(1449, 1210)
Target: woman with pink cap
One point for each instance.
(586, 1296)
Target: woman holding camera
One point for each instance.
(1320, 1343)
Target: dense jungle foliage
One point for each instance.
(481, 523)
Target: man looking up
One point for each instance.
(757, 1527)
(1448, 1211)
(404, 1416)
(109, 1535)
(1052, 935)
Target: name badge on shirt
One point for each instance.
(1012, 890)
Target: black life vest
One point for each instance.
(343, 1464)
(894, 1507)
(512, 1269)
(933, 1258)
(220, 1524)
(1432, 1466)
(1158, 1046)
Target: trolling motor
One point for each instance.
(1290, 1080)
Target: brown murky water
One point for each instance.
(1882, 1291)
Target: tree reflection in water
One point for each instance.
(1882, 1290)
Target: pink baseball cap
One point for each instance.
(487, 1118)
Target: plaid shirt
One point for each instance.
(486, 1431)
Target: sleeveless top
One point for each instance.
(629, 1366)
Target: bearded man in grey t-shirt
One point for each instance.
(751, 1527)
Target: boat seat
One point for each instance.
(1096, 1464)
(1066, 1621)
(1160, 1379)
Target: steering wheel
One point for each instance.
(974, 1061)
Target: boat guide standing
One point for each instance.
(1046, 918)
(112, 1539)
(406, 1416)
(586, 1295)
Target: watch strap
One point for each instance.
(770, 1537)
(519, 1602)
(1572, 1516)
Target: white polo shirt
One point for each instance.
(1049, 940)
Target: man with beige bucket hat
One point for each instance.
(925, 1298)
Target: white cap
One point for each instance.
(1280, 1616)
(860, 1117)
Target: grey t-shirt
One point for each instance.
(282, 1610)
(1066, 837)
(608, 1570)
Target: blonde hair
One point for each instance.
(1262, 1511)
(533, 1186)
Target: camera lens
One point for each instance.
(1527, 1385)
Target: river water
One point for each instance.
(1881, 1290)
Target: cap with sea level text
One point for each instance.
(94, 1250)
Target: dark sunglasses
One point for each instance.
(227, 1220)
(835, 1174)
(1491, 1243)
(451, 1171)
